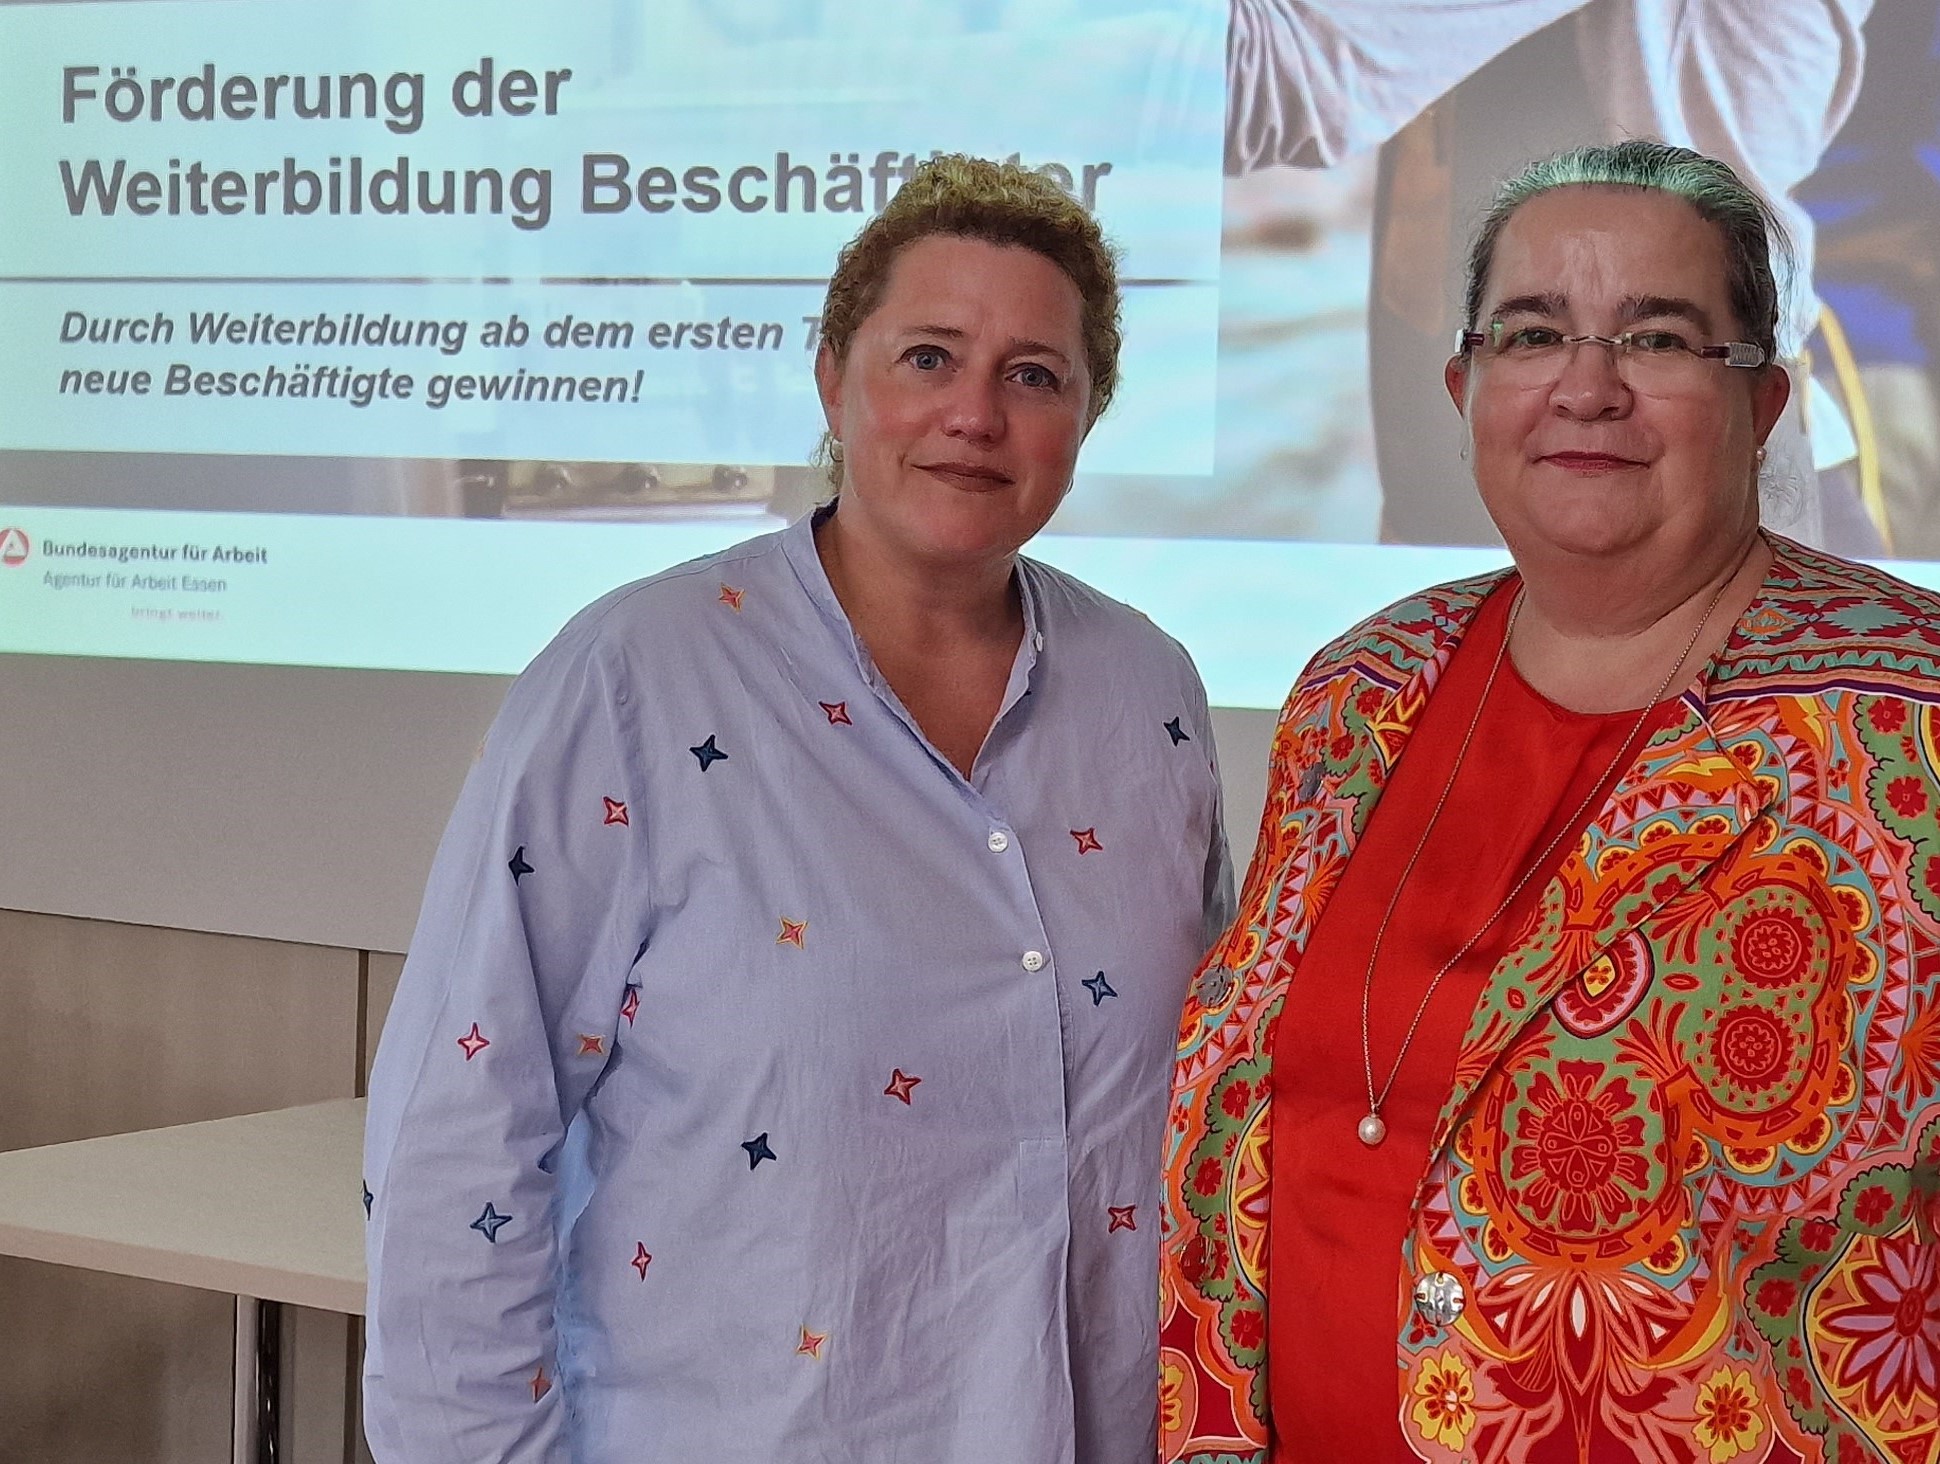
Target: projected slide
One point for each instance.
(379, 335)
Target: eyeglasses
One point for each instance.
(1653, 361)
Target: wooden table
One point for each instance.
(266, 1207)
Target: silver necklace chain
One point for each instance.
(1372, 1129)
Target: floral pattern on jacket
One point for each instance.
(1688, 1175)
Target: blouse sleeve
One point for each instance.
(504, 1018)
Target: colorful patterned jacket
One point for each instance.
(1687, 1175)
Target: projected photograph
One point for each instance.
(425, 299)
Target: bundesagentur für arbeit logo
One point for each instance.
(15, 546)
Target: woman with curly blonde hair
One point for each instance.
(779, 1066)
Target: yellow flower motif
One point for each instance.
(1172, 1402)
(1444, 1399)
(1729, 1416)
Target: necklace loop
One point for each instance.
(1373, 1128)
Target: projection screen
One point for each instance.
(379, 336)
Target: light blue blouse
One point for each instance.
(759, 1090)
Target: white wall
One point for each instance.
(290, 804)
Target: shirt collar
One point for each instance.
(798, 546)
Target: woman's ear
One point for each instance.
(1455, 378)
(1769, 394)
(828, 386)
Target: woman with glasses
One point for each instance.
(1568, 1085)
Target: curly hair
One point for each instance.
(1001, 203)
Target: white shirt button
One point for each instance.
(999, 841)
(1033, 960)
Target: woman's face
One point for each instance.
(1588, 464)
(962, 402)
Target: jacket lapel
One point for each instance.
(1688, 797)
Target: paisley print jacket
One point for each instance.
(1682, 1198)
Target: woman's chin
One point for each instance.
(1576, 530)
(966, 532)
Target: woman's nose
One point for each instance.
(1590, 384)
(975, 409)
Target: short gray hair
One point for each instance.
(1758, 251)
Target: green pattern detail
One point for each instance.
(1777, 1297)
(1899, 785)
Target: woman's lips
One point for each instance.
(1591, 462)
(967, 475)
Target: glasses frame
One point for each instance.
(1744, 355)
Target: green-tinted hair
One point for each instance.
(1757, 250)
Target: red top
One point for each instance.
(1339, 1208)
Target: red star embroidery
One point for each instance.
(901, 1085)
(541, 1384)
(1121, 1218)
(838, 713)
(731, 598)
(630, 1008)
(1087, 840)
(474, 1042)
(811, 1344)
(641, 1260)
(615, 810)
(793, 932)
(591, 1046)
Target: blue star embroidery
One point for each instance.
(368, 1197)
(1177, 733)
(520, 869)
(1099, 988)
(758, 1150)
(708, 753)
(490, 1223)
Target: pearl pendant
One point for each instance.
(1372, 1130)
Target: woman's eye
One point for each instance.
(1531, 338)
(925, 358)
(1037, 376)
(1658, 342)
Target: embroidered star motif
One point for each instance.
(591, 1046)
(541, 1384)
(615, 811)
(1099, 988)
(811, 1344)
(1177, 733)
(490, 1223)
(731, 598)
(474, 1042)
(793, 932)
(368, 1197)
(758, 1150)
(630, 1008)
(641, 1260)
(520, 869)
(901, 1085)
(708, 753)
(1087, 840)
(1122, 1218)
(838, 713)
